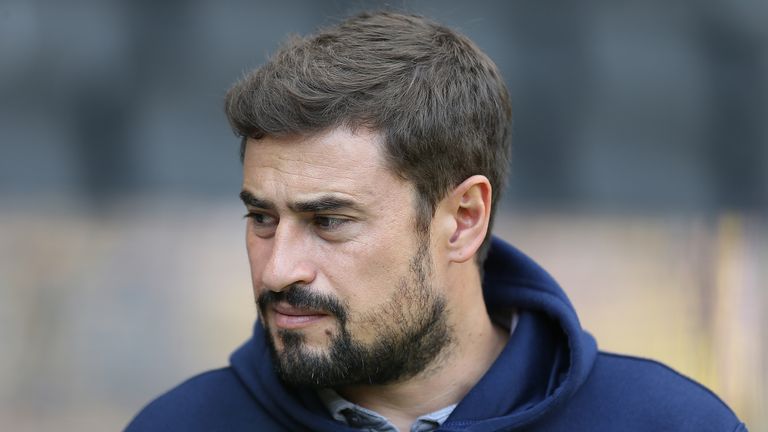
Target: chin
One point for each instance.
(315, 341)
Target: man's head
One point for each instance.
(438, 102)
(363, 146)
(343, 278)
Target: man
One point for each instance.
(373, 156)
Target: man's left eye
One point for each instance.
(329, 223)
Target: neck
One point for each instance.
(477, 342)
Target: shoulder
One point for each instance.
(648, 393)
(646, 377)
(214, 400)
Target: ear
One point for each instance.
(468, 209)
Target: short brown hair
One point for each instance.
(437, 100)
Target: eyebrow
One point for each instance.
(320, 204)
(323, 203)
(250, 200)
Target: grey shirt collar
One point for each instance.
(362, 418)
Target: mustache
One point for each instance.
(302, 297)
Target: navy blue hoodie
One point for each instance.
(550, 377)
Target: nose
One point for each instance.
(288, 260)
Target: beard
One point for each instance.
(413, 330)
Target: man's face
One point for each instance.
(342, 278)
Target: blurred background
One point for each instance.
(639, 180)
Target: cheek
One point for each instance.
(258, 253)
(366, 277)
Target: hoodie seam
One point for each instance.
(669, 369)
(740, 427)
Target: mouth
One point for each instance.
(289, 317)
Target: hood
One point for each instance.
(547, 357)
(545, 361)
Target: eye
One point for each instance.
(329, 223)
(259, 218)
(261, 222)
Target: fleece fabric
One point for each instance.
(550, 377)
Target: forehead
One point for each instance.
(335, 161)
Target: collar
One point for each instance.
(357, 416)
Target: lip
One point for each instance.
(289, 317)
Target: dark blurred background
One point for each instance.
(639, 105)
(640, 139)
